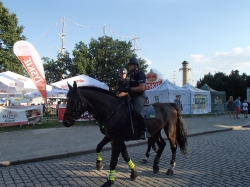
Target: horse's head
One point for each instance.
(75, 106)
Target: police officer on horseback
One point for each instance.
(135, 89)
(123, 82)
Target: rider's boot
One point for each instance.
(145, 135)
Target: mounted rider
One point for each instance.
(135, 89)
(123, 82)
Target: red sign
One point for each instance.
(151, 85)
(31, 61)
(151, 76)
(152, 81)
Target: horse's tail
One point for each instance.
(181, 131)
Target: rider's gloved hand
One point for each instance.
(127, 89)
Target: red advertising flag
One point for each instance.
(31, 61)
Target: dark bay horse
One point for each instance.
(111, 111)
(124, 153)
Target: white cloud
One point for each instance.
(198, 58)
(148, 62)
(235, 52)
(237, 58)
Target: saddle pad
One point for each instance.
(148, 112)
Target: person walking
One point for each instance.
(178, 102)
(238, 105)
(57, 108)
(245, 108)
(231, 107)
(136, 90)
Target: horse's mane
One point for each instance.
(97, 89)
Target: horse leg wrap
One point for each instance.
(111, 175)
(99, 156)
(131, 164)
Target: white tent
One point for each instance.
(14, 83)
(4, 89)
(200, 99)
(166, 93)
(5, 95)
(81, 80)
(53, 93)
(18, 101)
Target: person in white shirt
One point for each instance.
(245, 108)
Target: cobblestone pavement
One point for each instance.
(218, 159)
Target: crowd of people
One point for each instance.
(234, 107)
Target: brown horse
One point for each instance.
(112, 112)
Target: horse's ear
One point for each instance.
(70, 87)
(75, 85)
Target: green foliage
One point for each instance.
(81, 59)
(102, 58)
(10, 33)
(233, 84)
(59, 69)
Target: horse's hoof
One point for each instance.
(133, 175)
(170, 172)
(156, 169)
(108, 183)
(99, 166)
(144, 161)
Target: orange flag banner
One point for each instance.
(32, 62)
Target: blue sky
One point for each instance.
(212, 35)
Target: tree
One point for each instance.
(233, 84)
(10, 32)
(102, 59)
(59, 69)
(81, 58)
(206, 79)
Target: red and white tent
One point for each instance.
(13, 83)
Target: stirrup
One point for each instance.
(145, 135)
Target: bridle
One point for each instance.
(77, 112)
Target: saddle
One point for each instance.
(148, 110)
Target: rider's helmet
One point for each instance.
(123, 70)
(134, 61)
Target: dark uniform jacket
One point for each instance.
(135, 80)
(122, 84)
